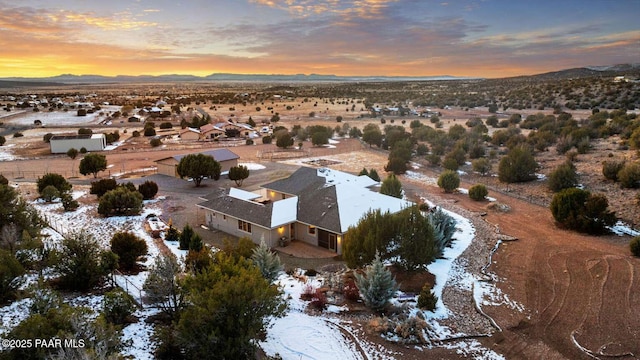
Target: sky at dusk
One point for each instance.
(487, 38)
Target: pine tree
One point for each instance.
(161, 286)
(443, 226)
(230, 305)
(185, 237)
(377, 286)
(391, 186)
(267, 261)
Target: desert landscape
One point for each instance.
(521, 287)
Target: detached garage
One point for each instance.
(226, 158)
(60, 144)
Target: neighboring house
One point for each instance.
(210, 132)
(226, 158)
(243, 130)
(316, 206)
(189, 134)
(60, 144)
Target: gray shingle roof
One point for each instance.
(253, 212)
(301, 181)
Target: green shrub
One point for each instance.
(68, 203)
(148, 189)
(580, 210)
(185, 237)
(101, 187)
(129, 248)
(10, 273)
(198, 260)
(634, 246)
(478, 192)
(120, 201)
(49, 193)
(449, 181)
(563, 177)
(518, 165)
(427, 300)
(155, 142)
(377, 286)
(118, 306)
(79, 262)
(172, 234)
(610, 169)
(481, 165)
(149, 131)
(629, 176)
(56, 180)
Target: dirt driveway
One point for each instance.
(576, 289)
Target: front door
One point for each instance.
(333, 243)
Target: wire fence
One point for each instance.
(34, 174)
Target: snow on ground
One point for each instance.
(14, 314)
(6, 153)
(412, 175)
(54, 118)
(322, 336)
(621, 229)
(333, 142)
(141, 346)
(252, 166)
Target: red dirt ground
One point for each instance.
(571, 285)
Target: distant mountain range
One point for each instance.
(69, 79)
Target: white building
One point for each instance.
(60, 144)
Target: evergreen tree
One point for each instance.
(267, 261)
(373, 174)
(79, 264)
(172, 234)
(444, 226)
(518, 165)
(415, 237)
(129, 248)
(148, 189)
(195, 243)
(478, 192)
(162, 287)
(391, 186)
(238, 174)
(230, 305)
(371, 235)
(377, 286)
(580, 210)
(93, 164)
(449, 180)
(120, 201)
(563, 177)
(10, 276)
(363, 172)
(185, 237)
(197, 167)
(56, 180)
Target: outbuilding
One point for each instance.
(60, 144)
(226, 158)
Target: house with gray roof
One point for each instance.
(314, 205)
(226, 158)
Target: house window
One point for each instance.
(312, 230)
(244, 226)
(224, 217)
(213, 214)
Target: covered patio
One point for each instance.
(304, 250)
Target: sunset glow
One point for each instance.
(488, 38)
